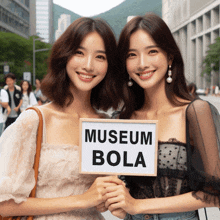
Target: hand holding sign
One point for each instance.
(119, 198)
(94, 195)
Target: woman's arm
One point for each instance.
(39, 206)
(119, 197)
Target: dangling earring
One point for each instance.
(130, 83)
(169, 79)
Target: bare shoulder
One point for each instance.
(51, 110)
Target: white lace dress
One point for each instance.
(58, 169)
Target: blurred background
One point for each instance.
(28, 29)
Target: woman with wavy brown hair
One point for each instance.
(188, 170)
(82, 78)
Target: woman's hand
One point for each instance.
(120, 213)
(101, 207)
(16, 109)
(94, 195)
(118, 197)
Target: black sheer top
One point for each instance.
(185, 167)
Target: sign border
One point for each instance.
(131, 121)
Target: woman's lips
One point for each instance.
(85, 77)
(146, 75)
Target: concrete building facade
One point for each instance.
(44, 20)
(15, 17)
(63, 23)
(195, 25)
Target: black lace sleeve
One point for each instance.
(203, 141)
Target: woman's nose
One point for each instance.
(143, 62)
(89, 64)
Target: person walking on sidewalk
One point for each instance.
(15, 99)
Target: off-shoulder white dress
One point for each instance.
(58, 169)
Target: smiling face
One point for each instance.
(88, 66)
(10, 82)
(25, 86)
(146, 63)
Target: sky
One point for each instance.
(88, 7)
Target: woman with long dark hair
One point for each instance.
(188, 173)
(28, 97)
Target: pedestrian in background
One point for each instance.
(188, 170)
(28, 97)
(15, 99)
(3, 104)
(41, 99)
(82, 77)
(192, 90)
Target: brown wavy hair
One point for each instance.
(133, 96)
(56, 84)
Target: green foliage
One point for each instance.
(212, 59)
(117, 16)
(18, 53)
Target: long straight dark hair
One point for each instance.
(29, 87)
(134, 96)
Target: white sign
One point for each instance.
(27, 76)
(118, 147)
(6, 69)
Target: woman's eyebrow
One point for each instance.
(147, 47)
(97, 51)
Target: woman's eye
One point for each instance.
(131, 55)
(101, 57)
(79, 52)
(153, 51)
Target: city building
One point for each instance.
(63, 22)
(32, 22)
(15, 17)
(195, 25)
(44, 20)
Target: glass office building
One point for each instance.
(15, 17)
(44, 17)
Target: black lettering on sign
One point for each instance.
(113, 136)
(144, 139)
(131, 137)
(118, 158)
(91, 137)
(123, 136)
(103, 140)
(140, 160)
(126, 164)
(98, 157)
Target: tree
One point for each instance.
(212, 59)
(13, 49)
(18, 52)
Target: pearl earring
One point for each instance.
(130, 83)
(169, 78)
